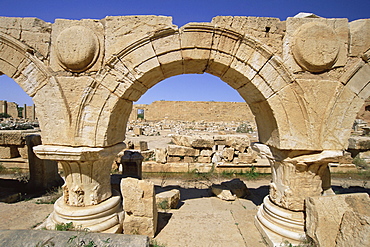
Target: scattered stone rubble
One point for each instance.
(140, 127)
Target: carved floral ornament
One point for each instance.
(77, 48)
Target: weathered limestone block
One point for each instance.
(141, 145)
(168, 199)
(223, 193)
(230, 190)
(171, 159)
(148, 154)
(14, 137)
(206, 152)
(228, 154)
(360, 37)
(193, 141)
(216, 158)
(359, 142)
(32, 31)
(144, 26)
(204, 159)
(188, 159)
(182, 151)
(325, 221)
(140, 207)
(138, 131)
(238, 142)
(246, 158)
(354, 230)
(161, 155)
(9, 152)
(23, 152)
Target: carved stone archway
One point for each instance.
(304, 79)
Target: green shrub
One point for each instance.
(4, 115)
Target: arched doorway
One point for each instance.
(300, 115)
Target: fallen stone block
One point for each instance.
(223, 193)
(193, 141)
(230, 190)
(325, 217)
(181, 151)
(228, 154)
(161, 155)
(168, 199)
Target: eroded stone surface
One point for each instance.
(330, 217)
(140, 207)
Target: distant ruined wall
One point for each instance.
(194, 111)
(11, 108)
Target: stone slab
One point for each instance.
(325, 215)
(67, 238)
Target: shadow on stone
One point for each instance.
(351, 189)
(257, 195)
(163, 219)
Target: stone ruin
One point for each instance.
(12, 109)
(304, 79)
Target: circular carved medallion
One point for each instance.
(315, 47)
(77, 48)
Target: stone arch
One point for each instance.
(354, 90)
(19, 62)
(241, 61)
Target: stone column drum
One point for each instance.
(88, 200)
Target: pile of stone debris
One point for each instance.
(17, 124)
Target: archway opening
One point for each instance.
(15, 102)
(200, 105)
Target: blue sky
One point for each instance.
(180, 87)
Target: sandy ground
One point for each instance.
(200, 220)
